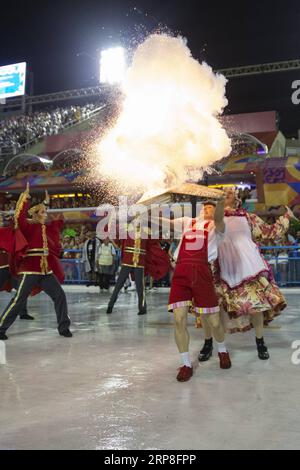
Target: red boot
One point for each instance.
(225, 362)
(184, 374)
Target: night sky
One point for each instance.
(61, 41)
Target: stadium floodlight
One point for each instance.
(112, 65)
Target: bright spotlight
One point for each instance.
(112, 65)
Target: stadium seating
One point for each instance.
(17, 132)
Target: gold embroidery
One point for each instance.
(36, 254)
(35, 272)
(44, 261)
(135, 250)
(20, 204)
(133, 266)
(35, 249)
(136, 254)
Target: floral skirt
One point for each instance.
(240, 303)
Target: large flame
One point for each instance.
(169, 119)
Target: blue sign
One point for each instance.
(12, 80)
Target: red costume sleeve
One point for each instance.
(6, 239)
(20, 243)
(53, 235)
(157, 260)
(6, 244)
(19, 249)
(54, 245)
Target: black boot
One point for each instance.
(262, 349)
(109, 309)
(66, 333)
(142, 312)
(206, 351)
(3, 337)
(25, 316)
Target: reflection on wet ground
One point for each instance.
(113, 386)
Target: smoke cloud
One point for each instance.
(169, 122)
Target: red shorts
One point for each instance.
(193, 286)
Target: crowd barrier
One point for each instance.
(284, 261)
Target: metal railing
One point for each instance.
(284, 262)
(74, 268)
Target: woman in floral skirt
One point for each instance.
(247, 290)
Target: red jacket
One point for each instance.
(6, 244)
(11, 242)
(43, 244)
(134, 252)
(147, 254)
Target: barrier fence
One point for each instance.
(284, 261)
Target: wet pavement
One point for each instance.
(113, 385)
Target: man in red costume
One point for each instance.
(7, 281)
(140, 256)
(6, 247)
(193, 286)
(39, 268)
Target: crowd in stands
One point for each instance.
(67, 202)
(74, 237)
(73, 202)
(17, 131)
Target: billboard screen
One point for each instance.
(12, 80)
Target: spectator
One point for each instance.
(106, 263)
(21, 130)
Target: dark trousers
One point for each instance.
(6, 276)
(104, 281)
(139, 282)
(47, 283)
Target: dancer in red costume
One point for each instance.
(192, 286)
(39, 268)
(6, 248)
(7, 279)
(140, 256)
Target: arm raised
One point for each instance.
(219, 216)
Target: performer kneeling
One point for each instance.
(39, 269)
(192, 285)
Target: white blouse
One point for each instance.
(239, 256)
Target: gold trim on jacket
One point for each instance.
(20, 204)
(44, 261)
